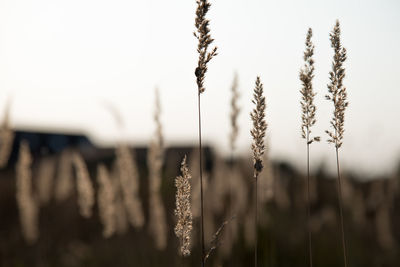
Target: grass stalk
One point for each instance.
(235, 110)
(201, 186)
(258, 147)
(256, 220)
(338, 96)
(309, 205)
(183, 212)
(203, 36)
(340, 199)
(308, 120)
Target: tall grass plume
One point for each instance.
(235, 111)
(258, 133)
(84, 186)
(129, 178)
(338, 95)
(183, 210)
(106, 201)
(308, 119)
(157, 223)
(27, 203)
(203, 36)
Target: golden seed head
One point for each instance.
(106, 201)
(336, 91)
(307, 94)
(203, 35)
(84, 186)
(183, 210)
(259, 126)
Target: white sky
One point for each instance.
(62, 60)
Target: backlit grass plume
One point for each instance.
(121, 219)
(337, 91)
(183, 210)
(27, 203)
(235, 110)
(6, 136)
(258, 133)
(129, 179)
(203, 36)
(84, 186)
(233, 135)
(155, 157)
(308, 117)
(106, 201)
(307, 94)
(259, 127)
(338, 96)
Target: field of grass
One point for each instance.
(66, 202)
(67, 239)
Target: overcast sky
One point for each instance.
(65, 62)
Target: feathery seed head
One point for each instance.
(27, 203)
(307, 100)
(129, 179)
(84, 186)
(204, 37)
(235, 110)
(157, 224)
(183, 210)
(259, 127)
(336, 91)
(106, 201)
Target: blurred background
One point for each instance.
(79, 78)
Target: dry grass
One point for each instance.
(106, 201)
(27, 202)
(119, 203)
(129, 179)
(84, 186)
(235, 111)
(308, 119)
(6, 137)
(307, 93)
(259, 127)
(258, 133)
(338, 96)
(121, 219)
(183, 210)
(203, 36)
(157, 223)
(337, 91)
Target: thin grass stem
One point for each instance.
(255, 220)
(201, 186)
(340, 198)
(309, 203)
